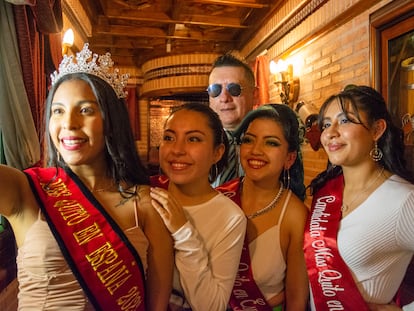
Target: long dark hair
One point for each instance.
(368, 100)
(124, 164)
(219, 136)
(288, 120)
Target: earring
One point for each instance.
(376, 153)
(286, 178)
(213, 173)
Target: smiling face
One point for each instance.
(76, 124)
(264, 151)
(346, 141)
(187, 149)
(231, 109)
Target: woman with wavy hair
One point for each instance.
(359, 239)
(271, 195)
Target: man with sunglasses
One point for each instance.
(231, 94)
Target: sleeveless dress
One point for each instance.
(268, 263)
(46, 282)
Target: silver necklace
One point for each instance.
(345, 207)
(269, 206)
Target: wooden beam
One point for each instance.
(123, 43)
(161, 18)
(240, 3)
(130, 31)
(208, 20)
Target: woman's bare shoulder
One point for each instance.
(296, 210)
(144, 201)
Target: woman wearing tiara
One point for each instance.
(87, 236)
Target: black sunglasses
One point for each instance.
(234, 89)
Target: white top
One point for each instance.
(268, 263)
(208, 249)
(376, 240)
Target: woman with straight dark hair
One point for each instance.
(359, 239)
(207, 227)
(271, 195)
(87, 235)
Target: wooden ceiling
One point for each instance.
(135, 31)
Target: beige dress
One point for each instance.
(46, 282)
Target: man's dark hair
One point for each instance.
(229, 60)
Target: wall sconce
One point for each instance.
(67, 41)
(282, 74)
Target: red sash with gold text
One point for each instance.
(333, 287)
(105, 263)
(245, 295)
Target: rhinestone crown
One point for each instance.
(99, 66)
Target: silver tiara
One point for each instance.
(99, 66)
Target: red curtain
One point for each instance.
(38, 33)
(262, 72)
(133, 109)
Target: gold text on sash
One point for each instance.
(110, 270)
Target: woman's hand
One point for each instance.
(169, 209)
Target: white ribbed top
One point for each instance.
(376, 240)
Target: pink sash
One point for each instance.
(333, 287)
(245, 295)
(106, 265)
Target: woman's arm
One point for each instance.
(207, 265)
(207, 276)
(160, 261)
(296, 283)
(13, 186)
(17, 202)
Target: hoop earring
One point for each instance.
(376, 153)
(213, 173)
(286, 178)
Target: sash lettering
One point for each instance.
(109, 270)
(333, 287)
(246, 295)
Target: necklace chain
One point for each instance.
(269, 206)
(101, 189)
(125, 195)
(345, 207)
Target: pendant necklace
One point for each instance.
(345, 207)
(269, 206)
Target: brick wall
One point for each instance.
(335, 60)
